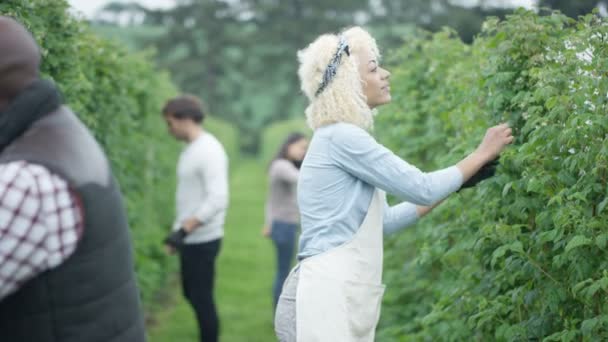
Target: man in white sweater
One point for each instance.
(201, 203)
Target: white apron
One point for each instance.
(340, 291)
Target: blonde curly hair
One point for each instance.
(343, 99)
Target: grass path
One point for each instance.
(244, 272)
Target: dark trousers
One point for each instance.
(283, 236)
(198, 273)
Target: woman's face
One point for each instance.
(376, 87)
(297, 150)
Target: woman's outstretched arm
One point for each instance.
(358, 153)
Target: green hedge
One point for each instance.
(118, 95)
(132, 37)
(524, 255)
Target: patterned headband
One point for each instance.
(332, 67)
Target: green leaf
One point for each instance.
(592, 290)
(563, 336)
(581, 285)
(555, 200)
(589, 325)
(498, 253)
(547, 236)
(601, 240)
(516, 247)
(602, 205)
(506, 188)
(577, 241)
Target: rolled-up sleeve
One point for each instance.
(359, 154)
(399, 216)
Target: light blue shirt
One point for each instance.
(343, 166)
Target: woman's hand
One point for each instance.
(495, 140)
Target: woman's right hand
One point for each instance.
(495, 140)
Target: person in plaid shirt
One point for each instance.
(66, 265)
(40, 223)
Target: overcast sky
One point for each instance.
(88, 7)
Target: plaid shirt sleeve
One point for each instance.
(40, 223)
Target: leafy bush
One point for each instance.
(118, 95)
(524, 255)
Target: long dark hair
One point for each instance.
(291, 138)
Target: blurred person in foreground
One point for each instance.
(66, 266)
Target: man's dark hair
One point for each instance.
(185, 107)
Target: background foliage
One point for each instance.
(524, 255)
(241, 55)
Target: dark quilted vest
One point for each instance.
(92, 296)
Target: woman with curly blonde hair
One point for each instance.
(335, 291)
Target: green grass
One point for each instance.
(244, 272)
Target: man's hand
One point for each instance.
(169, 250)
(175, 240)
(191, 224)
